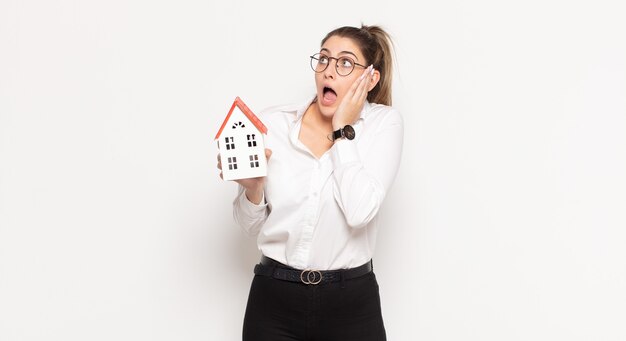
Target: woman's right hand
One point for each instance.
(253, 186)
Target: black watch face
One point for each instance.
(348, 132)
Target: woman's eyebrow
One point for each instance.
(344, 52)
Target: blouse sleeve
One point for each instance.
(363, 179)
(249, 215)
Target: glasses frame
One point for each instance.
(317, 57)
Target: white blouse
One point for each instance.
(322, 213)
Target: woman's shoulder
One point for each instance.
(383, 113)
(277, 112)
(280, 109)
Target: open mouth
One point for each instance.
(329, 96)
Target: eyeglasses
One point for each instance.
(343, 65)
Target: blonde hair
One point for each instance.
(376, 46)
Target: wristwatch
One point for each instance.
(347, 132)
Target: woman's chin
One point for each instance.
(326, 111)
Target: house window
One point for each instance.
(254, 161)
(232, 163)
(239, 124)
(251, 141)
(230, 144)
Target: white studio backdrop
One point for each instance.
(507, 220)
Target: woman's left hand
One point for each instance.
(352, 104)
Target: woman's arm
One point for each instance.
(247, 214)
(250, 209)
(362, 180)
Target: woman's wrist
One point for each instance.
(255, 195)
(339, 124)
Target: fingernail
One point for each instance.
(372, 72)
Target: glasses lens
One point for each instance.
(345, 66)
(319, 62)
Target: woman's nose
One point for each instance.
(331, 70)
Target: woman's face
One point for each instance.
(332, 87)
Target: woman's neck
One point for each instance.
(314, 119)
(315, 131)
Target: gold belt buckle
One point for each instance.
(311, 276)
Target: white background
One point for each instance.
(507, 220)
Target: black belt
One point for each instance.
(272, 268)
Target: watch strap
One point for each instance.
(337, 134)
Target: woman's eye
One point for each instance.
(323, 60)
(345, 62)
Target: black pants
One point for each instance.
(287, 311)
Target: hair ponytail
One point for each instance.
(377, 48)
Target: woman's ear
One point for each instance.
(375, 79)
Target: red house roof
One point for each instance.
(249, 114)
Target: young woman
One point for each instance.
(333, 159)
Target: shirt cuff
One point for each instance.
(251, 208)
(344, 152)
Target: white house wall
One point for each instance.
(241, 151)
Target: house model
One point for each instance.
(240, 141)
